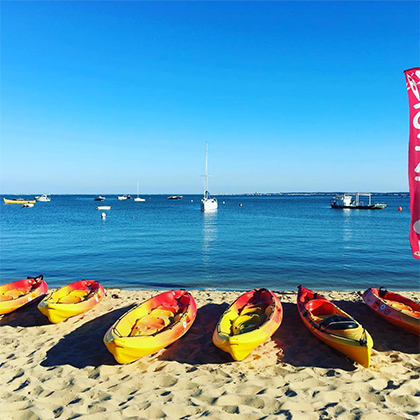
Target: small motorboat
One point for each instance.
(175, 197)
(18, 201)
(19, 293)
(28, 204)
(43, 198)
(103, 208)
(333, 326)
(252, 319)
(124, 197)
(73, 299)
(151, 326)
(100, 198)
(395, 308)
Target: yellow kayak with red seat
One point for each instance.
(151, 326)
(71, 300)
(395, 308)
(252, 319)
(333, 326)
(19, 293)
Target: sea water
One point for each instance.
(276, 242)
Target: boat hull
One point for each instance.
(334, 327)
(42, 198)
(372, 207)
(237, 331)
(394, 308)
(151, 326)
(209, 204)
(18, 201)
(19, 293)
(71, 300)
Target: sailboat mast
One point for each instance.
(206, 182)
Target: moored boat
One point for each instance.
(175, 197)
(72, 299)
(346, 201)
(139, 199)
(103, 208)
(395, 308)
(19, 293)
(18, 201)
(28, 205)
(151, 326)
(99, 198)
(333, 326)
(208, 203)
(252, 319)
(43, 198)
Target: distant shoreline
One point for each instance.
(256, 194)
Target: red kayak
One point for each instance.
(18, 293)
(396, 309)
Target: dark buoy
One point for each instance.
(240, 204)
(399, 208)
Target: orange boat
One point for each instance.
(151, 326)
(396, 309)
(252, 319)
(333, 326)
(18, 293)
(71, 300)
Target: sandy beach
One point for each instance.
(64, 370)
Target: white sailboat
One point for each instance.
(207, 203)
(139, 198)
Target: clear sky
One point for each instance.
(291, 96)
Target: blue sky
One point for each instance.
(290, 96)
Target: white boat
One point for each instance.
(43, 198)
(139, 198)
(208, 203)
(103, 208)
(345, 201)
(28, 204)
(122, 197)
(99, 198)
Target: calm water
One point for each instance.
(275, 242)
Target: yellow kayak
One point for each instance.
(249, 321)
(73, 299)
(18, 201)
(334, 327)
(151, 326)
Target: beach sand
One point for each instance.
(64, 371)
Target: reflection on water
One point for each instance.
(209, 236)
(347, 226)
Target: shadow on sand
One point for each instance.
(84, 346)
(196, 347)
(26, 316)
(386, 337)
(301, 348)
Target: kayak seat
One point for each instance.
(247, 323)
(338, 322)
(14, 294)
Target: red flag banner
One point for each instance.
(412, 78)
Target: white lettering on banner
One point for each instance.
(416, 226)
(413, 87)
